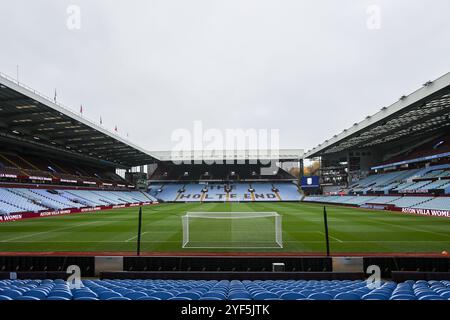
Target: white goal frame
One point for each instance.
(233, 215)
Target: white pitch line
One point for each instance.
(52, 230)
(134, 237)
(338, 240)
(410, 228)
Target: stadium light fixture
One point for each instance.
(428, 83)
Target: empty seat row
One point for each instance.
(17, 200)
(223, 290)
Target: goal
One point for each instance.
(232, 230)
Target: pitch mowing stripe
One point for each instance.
(331, 237)
(48, 231)
(134, 237)
(358, 229)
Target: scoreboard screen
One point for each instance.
(310, 182)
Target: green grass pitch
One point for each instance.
(351, 230)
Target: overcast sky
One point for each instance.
(308, 68)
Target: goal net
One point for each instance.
(232, 230)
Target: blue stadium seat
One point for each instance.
(162, 295)
(347, 296)
(85, 298)
(320, 296)
(265, 296)
(118, 298)
(57, 298)
(190, 295)
(27, 298)
(376, 296)
(432, 297)
(179, 298)
(222, 290)
(149, 298)
(403, 297)
(109, 294)
(292, 296)
(218, 295)
(135, 295)
(11, 293)
(210, 298)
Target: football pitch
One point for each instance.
(351, 230)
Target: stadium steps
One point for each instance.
(34, 197)
(33, 201)
(54, 165)
(276, 193)
(252, 194)
(49, 199)
(107, 199)
(30, 164)
(87, 202)
(146, 196)
(420, 203)
(78, 200)
(11, 206)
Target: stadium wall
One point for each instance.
(414, 211)
(53, 267)
(42, 214)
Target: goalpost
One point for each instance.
(232, 230)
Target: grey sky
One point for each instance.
(308, 68)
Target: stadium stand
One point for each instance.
(15, 200)
(196, 192)
(439, 203)
(426, 202)
(264, 192)
(215, 192)
(223, 290)
(25, 168)
(17, 203)
(166, 192)
(288, 191)
(167, 171)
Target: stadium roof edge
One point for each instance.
(23, 89)
(233, 155)
(426, 91)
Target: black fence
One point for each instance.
(180, 275)
(228, 264)
(390, 264)
(46, 264)
(56, 266)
